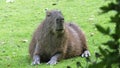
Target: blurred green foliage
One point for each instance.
(110, 56)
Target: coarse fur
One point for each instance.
(51, 38)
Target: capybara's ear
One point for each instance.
(48, 13)
(46, 10)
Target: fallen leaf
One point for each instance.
(2, 43)
(92, 34)
(24, 41)
(9, 1)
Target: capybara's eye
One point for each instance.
(57, 19)
(62, 19)
(48, 15)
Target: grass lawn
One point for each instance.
(20, 18)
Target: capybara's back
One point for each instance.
(54, 40)
(80, 34)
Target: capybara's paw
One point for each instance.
(52, 62)
(36, 60)
(85, 54)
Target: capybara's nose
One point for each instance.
(60, 19)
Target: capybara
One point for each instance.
(54, 40)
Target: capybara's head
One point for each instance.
(55, 20)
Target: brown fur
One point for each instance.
(70, 42)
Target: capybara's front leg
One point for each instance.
(36, 56)
(36, 60)
(54, 59)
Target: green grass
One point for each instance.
(19, 19)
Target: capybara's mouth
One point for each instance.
(59, 30)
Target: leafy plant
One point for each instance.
(110, 56)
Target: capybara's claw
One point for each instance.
(52, 62)
(85, 54)
(36, 60)
(35, 63)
